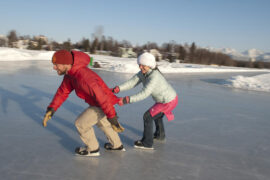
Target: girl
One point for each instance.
(164, 95)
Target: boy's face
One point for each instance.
(61, 69)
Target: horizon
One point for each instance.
(237, 25)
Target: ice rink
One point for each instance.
(219, 133)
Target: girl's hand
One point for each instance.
(123, 100)
(115, 90)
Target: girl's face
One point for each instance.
(144, 68)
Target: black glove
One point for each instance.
(115, 124)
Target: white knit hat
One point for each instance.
(147, 59)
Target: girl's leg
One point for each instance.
(160, 131)
(147, 139)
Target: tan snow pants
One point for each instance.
(85, 122)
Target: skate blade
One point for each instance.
(115, 150)
(142, 147)
(160, 140)
(89, 154)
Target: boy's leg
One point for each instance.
(84, 124)
(106, 127)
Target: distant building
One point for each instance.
(41, 37)
(126, 53)
(32, 44)
(3, 41)
(21, 44)
(47, 47)
(252, 59)
(156, 53)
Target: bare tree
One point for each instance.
(67, 45)
(125, 44)
(12, 37)
(115, 48)
(109, 44)
(151, 45)
(86, 45)
(182, 53)
(103, 44)
(99, 30)
(94, 46)
(192, 50)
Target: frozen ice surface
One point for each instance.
(219, 133)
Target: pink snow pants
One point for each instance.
(166, 108)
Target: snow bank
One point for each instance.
(129, 65)
(256, 83)
(12, 54)
(116, 64)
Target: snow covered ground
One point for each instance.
(129, 65)
(219, 132)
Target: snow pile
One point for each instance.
(12, 54)
(256, 83)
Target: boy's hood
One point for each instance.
(80, 60)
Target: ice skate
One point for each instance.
(82, 151)
(138, 144)
(108, 146)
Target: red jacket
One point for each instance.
(87, 85)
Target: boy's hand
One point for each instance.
(48, 116)
(115, 124)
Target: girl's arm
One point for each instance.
(131, 83)
(146, 91)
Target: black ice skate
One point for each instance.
(82, 151)
(108, 146)
(138, 144)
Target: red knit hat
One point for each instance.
(62, 57)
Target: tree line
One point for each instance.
(170, 51)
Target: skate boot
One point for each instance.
(82, 151)
(138, 144)
(108, 146)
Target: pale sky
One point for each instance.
(237, 24)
